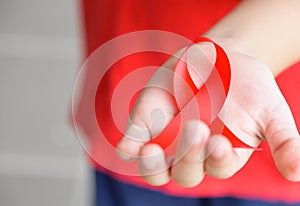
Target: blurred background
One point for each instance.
(41, 161)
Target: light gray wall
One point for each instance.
(41, 162)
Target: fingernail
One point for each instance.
(125, 157)
(217, 147)
(152, 158)
(150, 163)
(128, 150)
(137, 134)
(219, 152)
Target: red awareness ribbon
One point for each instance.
(210, 97)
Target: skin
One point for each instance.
(264, 32)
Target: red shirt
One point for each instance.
(105, 20)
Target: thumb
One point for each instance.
(153, 110)
(284, 141)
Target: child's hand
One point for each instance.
(254, 110)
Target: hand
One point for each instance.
(254, 110)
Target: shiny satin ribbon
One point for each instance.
(210, 97)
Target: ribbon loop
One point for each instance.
(210, 97)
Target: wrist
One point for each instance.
(233, 41)
(262, 30)
(228, 40)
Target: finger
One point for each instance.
(153, 165)
(153, 111)
(284, 141)
(223, 160)
(187, 169)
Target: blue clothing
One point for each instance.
(111, 192)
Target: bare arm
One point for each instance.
(266, 29)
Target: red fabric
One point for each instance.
(107, 19)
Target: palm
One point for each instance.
(253, 99)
